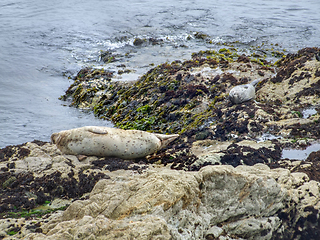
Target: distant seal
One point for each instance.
(243, 93)
(110, 142)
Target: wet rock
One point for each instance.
(200, 35)
(213, 152)
(170, 98)
(183, 96)
(295, 87)
(107, 56)
(139, 41)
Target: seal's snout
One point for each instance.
(234, 98)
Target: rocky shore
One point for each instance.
(223, 178)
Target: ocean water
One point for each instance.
(43, 42)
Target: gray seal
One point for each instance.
(243, 93)
(110, 142)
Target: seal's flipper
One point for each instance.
(166, 139)
(97, 130)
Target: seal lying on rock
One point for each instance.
(110, 142)
(243, 93)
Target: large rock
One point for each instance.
(116, 199)
(217, 202)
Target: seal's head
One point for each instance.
(61, 140)
(242, 93)
(234, 98)
(55, 138)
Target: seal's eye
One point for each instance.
(245, 87)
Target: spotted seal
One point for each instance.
(243, 93)
(110, 142)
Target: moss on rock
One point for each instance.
(191, 98)
(170, 98)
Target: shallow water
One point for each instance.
(300, 154)
(43, 41)
(308, 112)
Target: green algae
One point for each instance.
(9, 181)
(12, 232)
(107, 56)
(31, 213)
(166, 99)
(199, 35)
(153, 103)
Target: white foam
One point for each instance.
(266, 137)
